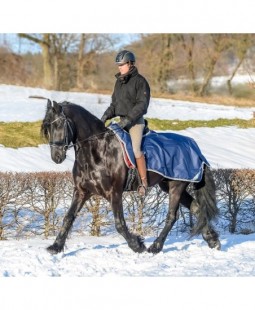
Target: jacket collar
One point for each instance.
(125, 77)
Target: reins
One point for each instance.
(95, 137)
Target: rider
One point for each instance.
(130, 101)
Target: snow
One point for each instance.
(17, 106)
(93, 264)
(111, 257)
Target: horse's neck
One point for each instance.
(86, 124)
(89, 131)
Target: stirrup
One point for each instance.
(142, 190)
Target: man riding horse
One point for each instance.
(130, 101)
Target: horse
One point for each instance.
(99, 168)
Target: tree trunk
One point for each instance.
(221, 42)
(47, 66)
(189, 50)
(141, 207)
(232, 225)
(79, 80)
(44, 43)
(208, 77)
(230, 90)
(1, 222)
(56, 73)
(166, 58)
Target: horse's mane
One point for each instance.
(79, 109)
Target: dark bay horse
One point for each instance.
(99, 168)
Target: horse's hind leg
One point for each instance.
(208, 233)
(134, 242)
(175, 190)
(78, 201)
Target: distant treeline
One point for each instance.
(85, 62)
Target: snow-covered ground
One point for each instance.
(111, 257)
(15, 105)
(138, 280)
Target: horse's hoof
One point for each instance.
(155, 248)
(215, 245)
(218, 245)
(53, 249)
(142, 249)
(137, 245)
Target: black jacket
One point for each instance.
(131, 96)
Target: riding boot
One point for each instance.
(141, 167)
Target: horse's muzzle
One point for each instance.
(58, 157)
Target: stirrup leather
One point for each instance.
(142, 188)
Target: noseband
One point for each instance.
(67, 129)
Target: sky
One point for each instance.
(21, 46)
(113, 16)
(92, 270)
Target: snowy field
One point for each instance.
(89, 264)
(111, 257)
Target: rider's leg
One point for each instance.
(141, 167)
(136, 134)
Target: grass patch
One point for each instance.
(24, 134)
(157, 124)
(236, 100)
(20, 134)
(243, 96)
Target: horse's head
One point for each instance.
(58, 130)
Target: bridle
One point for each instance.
(69, 129)
(65, 144)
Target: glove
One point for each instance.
(124, 122)
(104, 118)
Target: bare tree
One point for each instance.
(45, 192)
(11, 188)
(166, 59)
(44, 41)
(218, 44)
(233, 197)
(188, 44)
(90, 45)
(54, 49)
(97, 211)
(241, 44)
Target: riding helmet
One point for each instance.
(124, 57)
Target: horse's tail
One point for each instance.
(206, 198)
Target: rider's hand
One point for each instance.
(124, 122)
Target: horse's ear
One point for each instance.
(57, 107)
(49, 104)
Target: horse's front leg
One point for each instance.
(134, 242)
(79, 198)
(175, 190)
